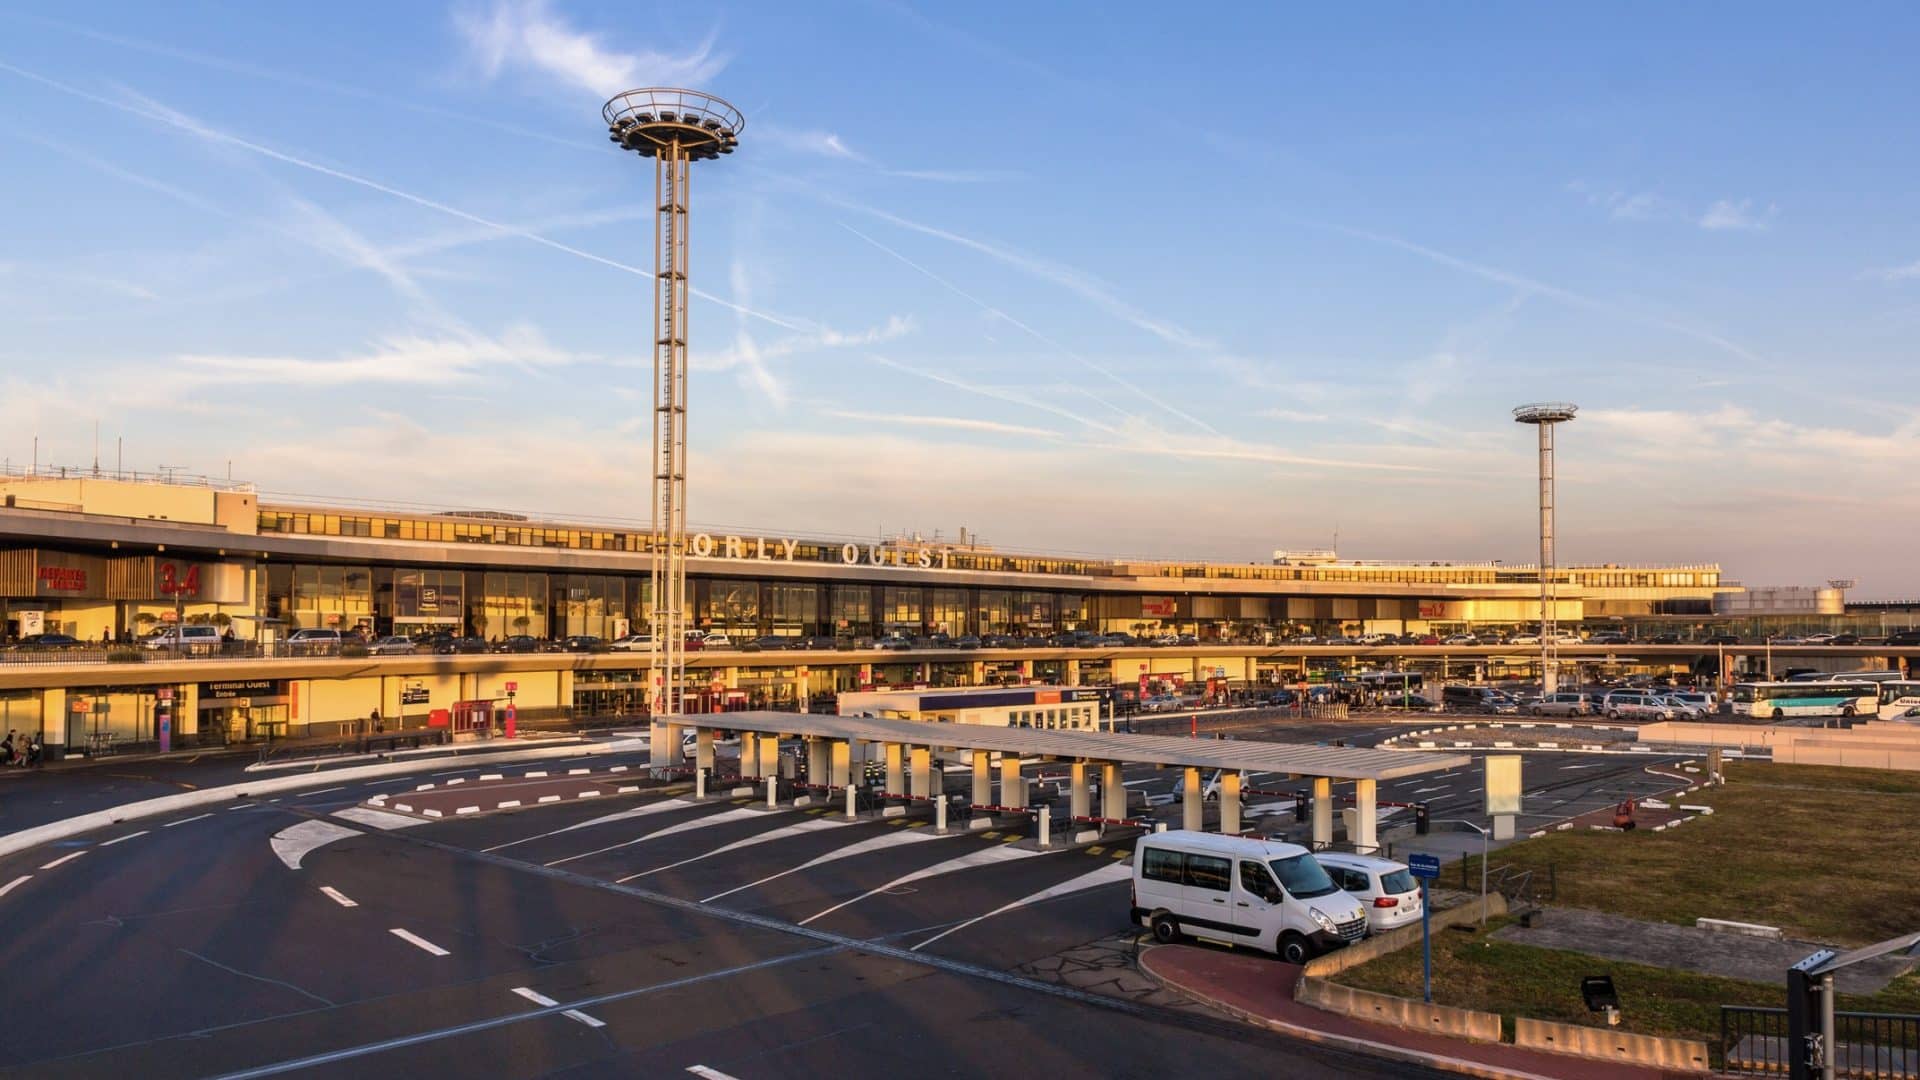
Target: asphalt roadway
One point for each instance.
(626, 934)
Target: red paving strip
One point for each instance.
(488, 796)
(1260, 989)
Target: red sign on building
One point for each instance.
(63, 579)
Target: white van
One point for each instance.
(1241, 891)
(194, 639)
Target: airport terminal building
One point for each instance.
(115, 556)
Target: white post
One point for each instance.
(922, 773)
(1013, 786)
(1078, 800)
(940, 813)
(1192, 806)
(1113, 792)
(896, 775)
(1322, 811)
(749, 755)
(1365, 816)
(773, 791)
(703, 749)
(851, 812)
(982, 778)
(1045, 817)
(699, 783)
(1230, 803)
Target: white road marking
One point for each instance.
(638, 811)
(546, 1002)
(322, 791)
(1589, 765)
(295, 842)
(385, 820)
(242, 806)
(416, 939)
(63, 859)
(549, 798)
(508, 805)
(183, 821)
(383, 783)
(15, 883)
(982, 857)
(1424, 790)
(337, 896)
(735, 814)
(708, 1074)
(1106, 875)
(783, 833)
(887, 840)
(467, 810)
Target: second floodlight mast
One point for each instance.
(675, 128)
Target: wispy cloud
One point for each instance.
(829, 144)
(957, 423)
(1896, 273)
(1728, 214)
(402, 359)
(526, 35)
(1624, 205)
(174, 119)
(1294, 416)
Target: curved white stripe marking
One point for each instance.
(1106, 875)
(294, 842)
(968, 861)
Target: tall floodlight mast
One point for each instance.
(1546, 415)
(675, 128)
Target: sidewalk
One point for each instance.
(1259, 989)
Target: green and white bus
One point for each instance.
(1898, 699)
(1769, 700)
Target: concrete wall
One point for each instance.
(1381, 944)
(1398, 1011)
(1873, 745)
(1686, 1055)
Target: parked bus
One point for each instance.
(1885, 675)
(1770, 700)
(1898, 699)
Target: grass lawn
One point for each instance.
(1472, 971)
(1826, 854)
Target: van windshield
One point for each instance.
(1303, 877)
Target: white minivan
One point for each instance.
(1240, 890)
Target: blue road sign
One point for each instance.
(1426, 867)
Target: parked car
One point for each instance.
(43, 642)
(818, 642)
(1567, 703)
(1638, 705)
(392, 645)
(966, 641)
(716, 640)
(1477, 699)
(894, 643)
(583, 643)
(632, 643)
(1460, 639)
(1610, 637)
(1722, 639)
(1524, 639)
(1407, 702)
(1698, 704)
(1273, 896)
(1904, 637)
(1815, 639)
(769, 643)
(1386, 889)
(519, 643)
(309, 642)
(1664, 639)
(1845, 639)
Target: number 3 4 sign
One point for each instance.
(177, 580)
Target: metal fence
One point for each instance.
(1873, 1046)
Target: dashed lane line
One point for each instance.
(546, 1002)
(876, 843)
(705, 1073)
(15, 883)
(783, 833)
(337, 896)
(183, 821)
(129, 836)
(322, 791)
(415, 939)
(63, 859)
(721, 818)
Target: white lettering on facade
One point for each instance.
(924, 558)
(760, 548)
(702, 545)
(734, 550)
(789, 545)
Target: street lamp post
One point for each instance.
(1486, 850)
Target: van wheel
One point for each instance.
(1846, 710)
(1294, 948)
(1165, 930)
(1613, 714)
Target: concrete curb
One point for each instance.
(26, 839)
(1345, 1042)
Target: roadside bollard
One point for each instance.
(773, 792)
(699, 783)
(850, 802)
(940, 813)
(1045, 818)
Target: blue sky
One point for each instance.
(1100, 278)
